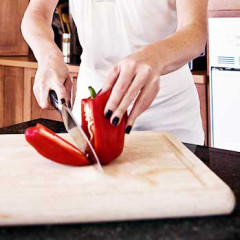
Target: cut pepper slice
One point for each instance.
(55, 148)
(107, 140)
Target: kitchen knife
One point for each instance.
(75, 130)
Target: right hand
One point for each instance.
(52, 74)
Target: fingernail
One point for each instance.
(63, 101)
(108, 114)
(128, 129)
(69, 104)
(115, 121)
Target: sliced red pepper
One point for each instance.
(55, 148)
(107, 140)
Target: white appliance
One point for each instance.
(224, 67)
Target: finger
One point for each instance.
(36, 93)
(68, 85)
(119, 90)
(36, 88)
(112, 77)
(131, 94)
(43, 90)
(143, 102)
(63, 96)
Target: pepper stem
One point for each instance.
(92, 92)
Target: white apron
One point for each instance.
(110, 30)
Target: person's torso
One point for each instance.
(110, 30)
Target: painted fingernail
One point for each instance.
(115, 121)
(69, 104)
(63, 101)
(128, 129)
(108, 114)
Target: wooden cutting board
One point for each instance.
(155, 177)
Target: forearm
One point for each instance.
(179, 48)
(38, 33)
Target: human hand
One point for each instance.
(137, 77)
(52, 74)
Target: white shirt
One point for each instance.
(110, 30)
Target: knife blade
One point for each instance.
(74, 129)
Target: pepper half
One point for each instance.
(107, 140)
(55, 148)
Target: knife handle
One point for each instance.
(54, 100)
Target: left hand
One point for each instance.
(135, 77)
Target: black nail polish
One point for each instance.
(128, 129)
(69, 104)
(108, 114)
(63, 101)
(115, 121)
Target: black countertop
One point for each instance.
(225, 164)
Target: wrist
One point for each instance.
(49, 57)
(152, 50)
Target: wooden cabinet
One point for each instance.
(224, 8)
(11, 40)
(201, 84)
(17, 101)
(218, 5)
(31, 107)
(11, 110)
(1, 95)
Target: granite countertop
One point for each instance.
(225, 164)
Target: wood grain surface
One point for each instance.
(11, 40)
(13, 95)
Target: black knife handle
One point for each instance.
(54, 100)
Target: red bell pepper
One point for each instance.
(107, 140)
(53, 147)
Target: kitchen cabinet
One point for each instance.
(202, 92)
(1, 95)
(216, 5)
(201, 84)
(224, 8)
(31, 107)
(11, 40)
(17, 101)
(11, 95)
